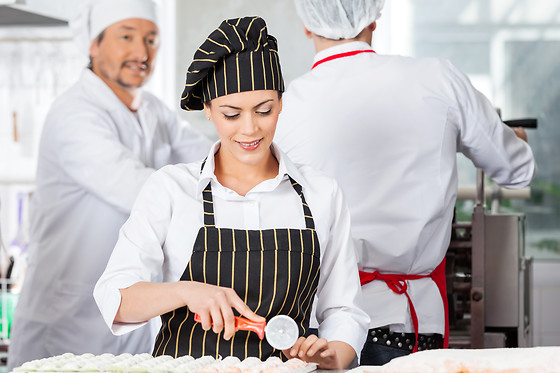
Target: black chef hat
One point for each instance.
(239, 56)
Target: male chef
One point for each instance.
(101, 140)
(388, 129)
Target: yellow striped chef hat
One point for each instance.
(239, 56)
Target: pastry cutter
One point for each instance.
(281, 331)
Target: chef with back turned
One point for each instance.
(388, 128)
(101, 140)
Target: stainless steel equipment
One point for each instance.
(488, 274)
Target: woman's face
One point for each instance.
(245, 122)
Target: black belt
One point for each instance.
(404, 341)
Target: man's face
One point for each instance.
(124, 57)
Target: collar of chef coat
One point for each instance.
(342, 48)
(110, 102)
(101, 91)
(285, 169)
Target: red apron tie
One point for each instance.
(397, 283)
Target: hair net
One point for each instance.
(338, 19)
(96, 15)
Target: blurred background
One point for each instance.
(508, 48)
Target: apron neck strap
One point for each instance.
(341, 55)
(309, 222)
(207, 202)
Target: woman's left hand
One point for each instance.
(329, 355)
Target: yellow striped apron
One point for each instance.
(275, 271)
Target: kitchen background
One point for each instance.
(509, 49)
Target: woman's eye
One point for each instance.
(231, 116)
(127, 37)
(264, 112)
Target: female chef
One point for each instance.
(245, 231)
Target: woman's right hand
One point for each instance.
(214, 305)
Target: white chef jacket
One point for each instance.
(94, 156)
(388, 129)
(158, 238)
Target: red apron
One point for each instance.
(397, 283)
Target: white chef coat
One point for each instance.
(158, 238)
(94, 156)
(388, 129)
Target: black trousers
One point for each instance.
(383, 345)
(376, 354)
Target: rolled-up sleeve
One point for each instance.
(339, 296)
(138, 255)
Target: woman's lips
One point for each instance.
(250, 145)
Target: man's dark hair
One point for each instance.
(97, 40)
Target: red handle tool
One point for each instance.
(243, 324)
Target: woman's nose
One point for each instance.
(249, 125)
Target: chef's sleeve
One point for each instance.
(484, 138)
(339, 295)
(138, 255)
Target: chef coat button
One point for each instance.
(384, 336)
(375, 339)
(399, 344)
(396, 339)
(407, 341)
(410, 347)
(373, 332)
(402, 335)
(388, 343)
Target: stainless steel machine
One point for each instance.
(488, 273)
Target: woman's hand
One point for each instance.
(144, 300)
(214, 305)
(329, 355)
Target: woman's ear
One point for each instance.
(207, 111)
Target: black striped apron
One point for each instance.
(275, 271)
